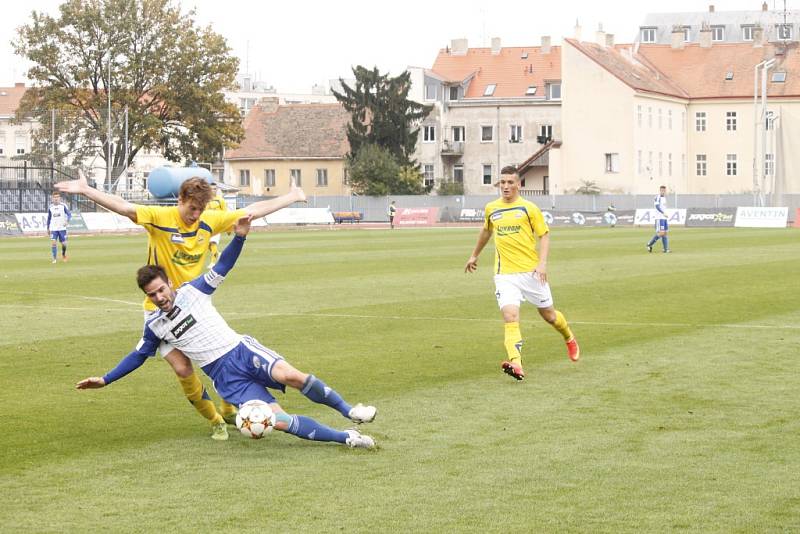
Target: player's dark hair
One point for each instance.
(148, 273)
(196, 190)
(509, 169)
(663, 187)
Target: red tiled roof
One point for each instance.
(508, 70)
(294, 131)
(10, 98)
(693, 71)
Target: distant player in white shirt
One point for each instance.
(240, 367)
(58, 217)
(662, 226)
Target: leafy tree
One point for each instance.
(372, 170)
(382, 114)
(588, 187)
(167, 72)
(450, 189)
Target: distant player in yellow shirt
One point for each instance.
(178, 239)
(520, 272)
(216, 204)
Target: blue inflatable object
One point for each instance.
(166, 181)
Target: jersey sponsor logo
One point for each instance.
(510, 229)
(176, 238)
(496, 215)
(174, 312)
(183, 326)
(180, 257)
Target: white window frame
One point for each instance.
(639, 115)
(484, 175)
(660, 119)
(769, 164)
(322, 177)
(435, 92)
(269, 177)
(687, 35)
(297, 175)
(491, 133)
(639, 162)
(427, 174)
(459, 167)
(669, 119)
(550, 87)
(450, 92)
(463, 134)
(731, 165)
(660, 164)
(747, 32)
(515, 133)
(244, 177)
(730, 121)
(649, 116)
(669, 164)
(781, 28)
(612, 162)
(717, 33)
(700, 118)
(428, 133)
(647, 34)
(702, 165)
(546, 130)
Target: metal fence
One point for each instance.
(26, 188)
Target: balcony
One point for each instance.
(452, 148)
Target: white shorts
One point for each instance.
(512, 289)
(215, 238)
(164, 348)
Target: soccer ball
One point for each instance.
(255, 419)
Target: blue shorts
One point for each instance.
(59, 235)
(245, 372)
(662, 225)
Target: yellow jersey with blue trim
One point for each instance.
(217, 204)
(514, 225)
(177, 247)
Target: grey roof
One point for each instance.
(731, 20)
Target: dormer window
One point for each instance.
(729, 76)
(648, 35)
(531, 90)
(779, 77)
(489, 91)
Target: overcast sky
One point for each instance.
(295, 44)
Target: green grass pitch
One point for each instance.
(682, 415)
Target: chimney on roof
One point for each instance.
(758, 37)
(577, 30)
(764, 6)
(711, 8)
(610, 40)
(705, 37)
(458, 47)
(495, 46)
(269, 104)
(677, 38)
(545, 49)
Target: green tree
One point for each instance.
(588, 187)
(450, 189)
(372, 171)
(167, 72)
(382, 114)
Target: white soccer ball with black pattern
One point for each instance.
(255, 419)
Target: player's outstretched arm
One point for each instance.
(110, 202)
(472, 262)
(93, 382)
(265, 207)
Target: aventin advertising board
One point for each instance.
(758, 217)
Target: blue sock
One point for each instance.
(306, 428)
(665, 242)
(316, 391)
(655, 238)
(53, 250)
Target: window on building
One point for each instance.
(612, 162)
(269, 177)
(649, 117)
(489, 90)
(430, 92)
(747, 32)
(2, 151)
(244, 177)
(730, 164)
(531, 90)
(322, 177)
(639, 116)
(769, 124)
(487, 133)
(554, 91)
(297, 176)
(638, 162)
(661, 164)
(487, 175)
(700, 121)
(346, 176)
(459, 133)
(729, 76)
(648, 35)
(769, 164)
(546, 132)
(515, 135)
(702, 170)
(20, 144)
(427, 174)
(784, 31)
(717, 33)
(779, 77)
(687, 34)
(669, 164)
(458, 173)
(428, 133)
(669, 119)
(454, 92)
(730, 121)
(650, 163)
(660, 120)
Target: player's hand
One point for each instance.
(73, 186)
(294, 189)
(472, 265)
(93, 382)
(242, 226)
(540, 273)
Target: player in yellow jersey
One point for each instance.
(215, 204)
(520, 271)
(178, 241)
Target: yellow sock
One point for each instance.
(197, 395)
(226, 408)
(562, 326)
(513, 342)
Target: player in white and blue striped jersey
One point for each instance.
(58, 216)
(662, 226)
(240, 367)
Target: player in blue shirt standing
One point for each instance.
(662, 226)
(58, 217)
